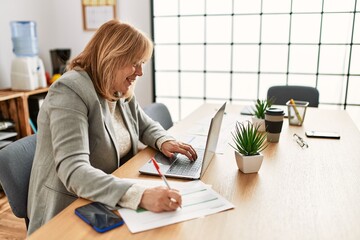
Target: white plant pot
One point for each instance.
(258, 121)
(249, 164)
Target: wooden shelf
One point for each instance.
(8, 94)
(14, 105)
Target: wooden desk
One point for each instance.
(14, 105)
(311, 193)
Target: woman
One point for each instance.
(90, 124)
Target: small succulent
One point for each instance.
(261, 106)
(247, 139)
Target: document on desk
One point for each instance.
(198, 200)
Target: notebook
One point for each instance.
(249, 110)
(182, 167)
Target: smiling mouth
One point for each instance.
(130, 81)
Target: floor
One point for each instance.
(11, 227)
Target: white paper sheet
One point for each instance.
(198, 200)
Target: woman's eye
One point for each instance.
(135, 65)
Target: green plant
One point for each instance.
(261, 106)
(248, 140)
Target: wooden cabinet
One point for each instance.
(14, 105)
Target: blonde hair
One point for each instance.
(114, 45)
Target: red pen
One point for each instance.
(160, 174)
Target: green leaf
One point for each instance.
(260, 107)
(247, 139)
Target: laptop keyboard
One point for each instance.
(184, 166)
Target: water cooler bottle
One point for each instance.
(27, 69)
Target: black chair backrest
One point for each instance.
(15, 167)
(282, 94)
(160, 113)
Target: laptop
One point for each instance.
(182, 167)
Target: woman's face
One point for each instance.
(126, 76)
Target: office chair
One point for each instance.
(15, 166)
(159, 113)
(282, 94)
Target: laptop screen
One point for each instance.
(212, 139)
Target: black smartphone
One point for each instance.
(99, 217)
(320, 134)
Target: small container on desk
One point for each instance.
(296, 112)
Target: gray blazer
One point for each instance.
(76, 151)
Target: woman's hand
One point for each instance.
(159, 199)
(168, 148)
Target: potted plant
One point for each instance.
(249, 142)
(259, 113)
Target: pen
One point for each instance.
(296, 111)
(160, 174)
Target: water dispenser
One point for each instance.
(27, 69)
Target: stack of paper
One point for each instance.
(198, 200)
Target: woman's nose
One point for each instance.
(138, 70)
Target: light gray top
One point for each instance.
(76, 149)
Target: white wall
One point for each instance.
(59, 25)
